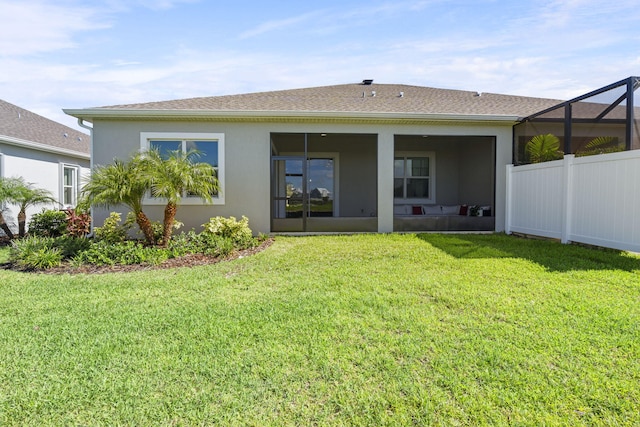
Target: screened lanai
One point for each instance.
(323, 182)
(602, 121)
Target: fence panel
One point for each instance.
(536, 197)
(593, 200)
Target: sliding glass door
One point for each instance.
(301, 188)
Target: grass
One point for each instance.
(332, 330)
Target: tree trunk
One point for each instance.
(169, 216)
(22, 219)
(5, 227)
(145, 225)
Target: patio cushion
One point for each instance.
(451, 210)
(432, 209)
(400, 209)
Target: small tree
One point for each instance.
(26, 195)
(175, 176)
(121, 183)
(8, 192)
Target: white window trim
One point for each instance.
(76, 185)
(432, 176)
(145, 137)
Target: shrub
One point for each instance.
(48, 223)
(78, 223)
(215, 245)
(185, 243)
(237, 231)
(112, 231)
(203, 243)
(124, 253)
(35, 253)
(70, 246)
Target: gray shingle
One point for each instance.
(359, 98)
(16, 122)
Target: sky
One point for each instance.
(58, 54)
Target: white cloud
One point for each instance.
(127, 5)
(34, 26)
(332, 20)
(518, 59)
(277, 25)
(163, 4)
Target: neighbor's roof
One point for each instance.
(344, 101)
(23, 127)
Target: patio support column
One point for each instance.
(385, 182)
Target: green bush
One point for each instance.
(48, 223)
(35, 253)
(70, 246)
(203, 243)
(185, 243)
(215, 245)
(124, 253)
(112, 231)
(237, 231)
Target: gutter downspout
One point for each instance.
(90, 129)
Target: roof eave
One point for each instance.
(91, 114)
(43, 147)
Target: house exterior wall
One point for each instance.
(40, 168)
(248, 157)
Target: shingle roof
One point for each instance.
(357, 98)
(21, 124)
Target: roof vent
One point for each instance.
(367, 82)
(66, 135)
(401, 95)
(373, 93)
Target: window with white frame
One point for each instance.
(413, 176)
(69, 185)
(209, 145)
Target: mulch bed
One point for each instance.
(184, 261)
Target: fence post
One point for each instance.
(567, 197)
(509, 200)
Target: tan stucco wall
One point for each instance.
(247, 162)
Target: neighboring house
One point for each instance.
(386, 157)
(45, 153)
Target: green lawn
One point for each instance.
(332, 330)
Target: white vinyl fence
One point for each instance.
(593, 200)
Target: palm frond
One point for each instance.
(601, 145)
(543, 148)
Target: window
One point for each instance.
(69, 185)
(413, 176)
(210, 146)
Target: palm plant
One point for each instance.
(543, 148)
(8, 192)
(25, 196)
(175, 176)
(601, 145)
(121, 183)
